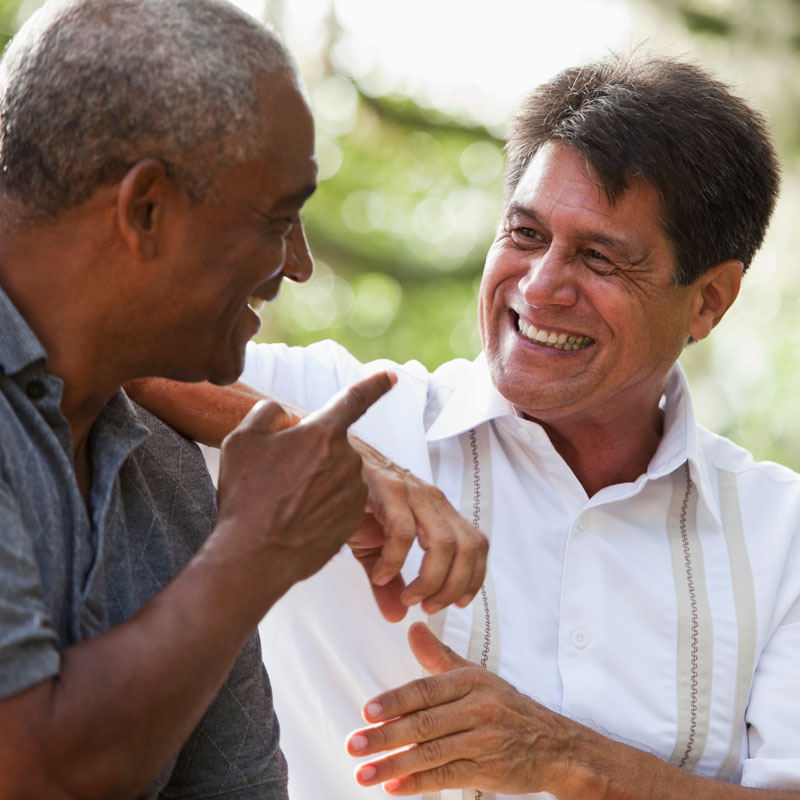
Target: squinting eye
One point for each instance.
(526, 233)
(596, 255)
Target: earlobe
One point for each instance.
(716, 288)
(140, 207)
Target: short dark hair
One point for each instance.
(89, 87)
(669, 122)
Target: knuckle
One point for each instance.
(488, 711)
(432, 752)
(424, 725)
(445, 776)
(401, 533)
(475, 546)
(493, 741)
(437, 495)
(446, 543)
(356, 399)
(378, 737)
(427, 690)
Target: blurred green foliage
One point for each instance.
(399, 228)
(745, 376)
(409, 197)
(9, 21)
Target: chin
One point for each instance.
(227, 370)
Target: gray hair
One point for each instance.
(90, 87)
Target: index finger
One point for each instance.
(352, 402)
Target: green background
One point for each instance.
(409, 198)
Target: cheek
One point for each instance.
(496, 275)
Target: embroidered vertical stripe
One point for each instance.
(695, 649)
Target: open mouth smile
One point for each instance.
(558, 341)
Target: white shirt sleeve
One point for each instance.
(774, 711)
(307, 377)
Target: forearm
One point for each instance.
(403, 508)
(201, 411)
(601, 769)
(126, 700)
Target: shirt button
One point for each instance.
(35, 390)
(581, 638)
(583, 522)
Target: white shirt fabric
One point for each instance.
(682, 639)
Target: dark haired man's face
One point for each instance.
(580, 317)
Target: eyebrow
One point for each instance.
(619, 243)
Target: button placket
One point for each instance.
(581, 638)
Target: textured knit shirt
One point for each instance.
(68, 573)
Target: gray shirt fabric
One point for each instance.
(67, 574)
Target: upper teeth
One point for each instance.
(560, 341)
(255, 303)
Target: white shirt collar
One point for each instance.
(475, 400)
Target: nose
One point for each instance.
(298, 263)
(550, 280)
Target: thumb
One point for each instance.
(269, 417)
(352, 402)
(432, 654)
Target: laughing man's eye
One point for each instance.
(598, 262)
(525, 235)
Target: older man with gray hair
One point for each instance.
(154, 157)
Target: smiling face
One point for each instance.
(579, 313)
(235, 246)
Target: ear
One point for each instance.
(141, 199)
(716, 289)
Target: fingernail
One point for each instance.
(358, 742)
(391, 784)
(434, 608)
(382, 578)
(412, 600)
(374, 709)
(464, 601)
(367, 772)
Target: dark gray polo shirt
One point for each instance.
(67, 574)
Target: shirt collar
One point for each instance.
(475, 400)
(19, 347)
(679, 442)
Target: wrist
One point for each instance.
(245, 577)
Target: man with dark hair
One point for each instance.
(154, 157)
(638, 631)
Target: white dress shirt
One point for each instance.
(661, 613)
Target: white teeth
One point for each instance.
(559, 341)
(255, 303)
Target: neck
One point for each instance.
(40, 267)
(601, 454)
